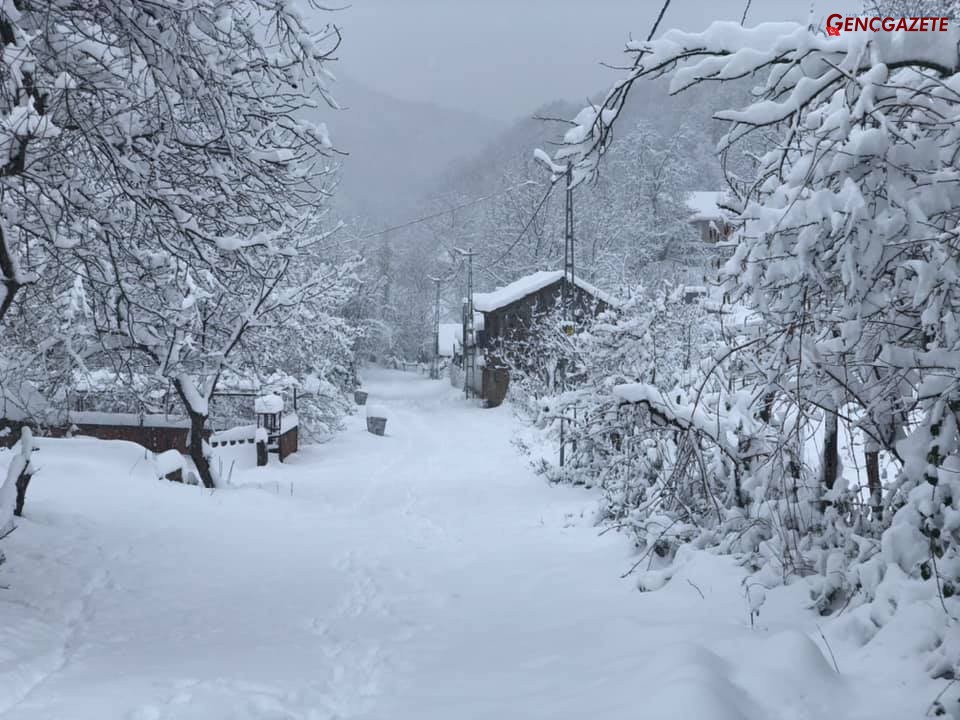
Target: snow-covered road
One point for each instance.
(427, 574)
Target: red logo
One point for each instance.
(850, 23)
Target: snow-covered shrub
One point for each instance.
(323, 406)
(658, 477)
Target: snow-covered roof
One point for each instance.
(519, 289)
(703, 205)
(451, 335)
(268, 404)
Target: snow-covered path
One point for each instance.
(428, 574)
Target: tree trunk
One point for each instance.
(830, 464)
(195, 448)
(766, 412)
(872, 460)
(8, 275)
(23, 481)
(197, 422)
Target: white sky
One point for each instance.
(503, 58)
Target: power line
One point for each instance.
(434, 216)
(523, 232)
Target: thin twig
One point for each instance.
(693, 585)
(829, 649)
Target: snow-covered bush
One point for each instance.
(649, 465)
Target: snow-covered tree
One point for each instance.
(178, 178)
(848, 256)
(309, 344)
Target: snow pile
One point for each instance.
(169, 461)
(376, 411)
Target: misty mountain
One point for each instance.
(396, 148)
(649, 103)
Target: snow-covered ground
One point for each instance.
(426, 574)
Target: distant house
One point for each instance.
(509, 312)
(713, 223)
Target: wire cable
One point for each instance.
(434, 216)
(522, 232)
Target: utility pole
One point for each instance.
(469, 335)
(469, 332)
(435, 363)
(568, 294)
(569, 279)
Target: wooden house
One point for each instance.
(509, 312)
(712, 222)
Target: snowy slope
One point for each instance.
(426, 574)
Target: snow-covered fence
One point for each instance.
(234, 436)
(157, 433)
(284, 440)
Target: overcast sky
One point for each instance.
(503, 58)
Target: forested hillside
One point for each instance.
(630, 220)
